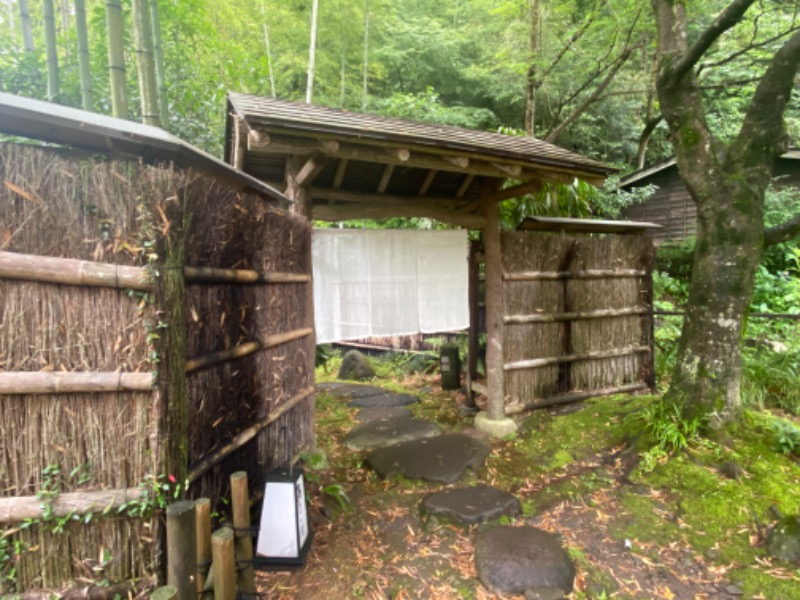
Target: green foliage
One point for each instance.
(337, 492)
(787, 437)
(670, 430)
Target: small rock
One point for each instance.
(380, 413)
(356, 365)
(783, 540)
(731, 470)
(511, 560)
(544, 593)
(734, 590)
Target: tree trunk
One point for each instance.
(532, 84)
(312, 51)
(269, 53)
(11, 24)
(116, 59)
(161, 82)
(87, 100)
(53, 90)
(25, 24)
(365, 70)
(145, 63)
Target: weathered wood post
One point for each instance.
(202, 512)
(224, 564)
(181, 549)
(240, 502)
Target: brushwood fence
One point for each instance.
(578, 317)
(156, 334)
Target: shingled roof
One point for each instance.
(365, 165)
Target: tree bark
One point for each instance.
(116, 59)
(87, 96)
(729, 193)
(145, 63)
(53, 87)
(158, 52)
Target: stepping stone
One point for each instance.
(443, 458)
(367, 396)
(512, 560)
(389, 432)
(378, 413)
(471, 504)
(349, 390)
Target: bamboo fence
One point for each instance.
(151, 320)
(578, 317)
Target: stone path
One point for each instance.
(508, 559)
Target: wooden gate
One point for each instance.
(577, 317)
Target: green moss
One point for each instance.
(690, 137)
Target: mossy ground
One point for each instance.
(680, 530)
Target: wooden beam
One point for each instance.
(511, 170)
(588, 274)
(80, 382)
(309, 171)
(423, 189)
(384, 210)
(385, 178)
(17, 509)
(341, 167)
(261, 141)
(462, 162)
(257, 139)
(528, 187)
(465, 185)
(401, 154)
(239, 143)
(534, 363)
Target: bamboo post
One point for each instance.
(202, 518)
(494, 311)
(167, 592)
(182, 549)
(474, 300)
(224, 566)
(240, 503)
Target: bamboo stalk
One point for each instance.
(208, 462)
(557, 360)
(182, 549)
(224, 565)
(214, 275)
(243, 539)
(48, 382)
(17, 509)
(588, 274)
(202, 508)
(513, 409)
(48, 269)
(214, 358)
(574, 316)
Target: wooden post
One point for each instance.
(224, 565)
(474, 321)
(182, 549)
(202, 517)
(167, 592)
(240, 502)
(493, 261)
(300, 195)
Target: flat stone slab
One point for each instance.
(366, 396)
(511, 560)
(444, 458)
(389, 432)
(379, 413)
(471, 504)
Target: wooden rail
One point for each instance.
(215, 358)
(557, 360)
(574, 316)
(590, 274)
(18, 508)
(50, 382)
(512, 409)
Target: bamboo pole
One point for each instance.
(116, 58)
(208, 462)
(557, 360)
(202, 508)
(166, 592)
(19, 508)
(145, 63)
(224, 565)
(513, 409)
(589, 274)
(51, 51)
(240, 504)
(87, 96)
(215, 358)
(155, 21)
(214, 275)
(182, 549)
(49, 382)
(48, 269)
(574, 316)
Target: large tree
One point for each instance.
(727, 180)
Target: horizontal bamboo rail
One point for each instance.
(50, 382)
(70, 271)
(18, 508)
(574, 316)
(205, 464)
(215, 358)
(777, 316)
(590, 274)
(557, 360)
(516, 408)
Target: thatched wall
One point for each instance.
(54, 204)
(561, 298)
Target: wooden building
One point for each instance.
(336, 165)
(672, 207)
